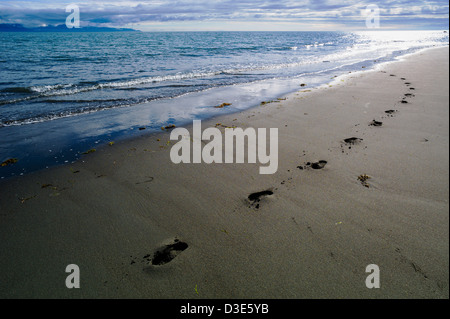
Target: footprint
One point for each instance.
(409, 95)
(349, 142)
(353, 140)
(375, 123)
(404, 101)
(167, 253)
(316, 165)
(390, 113)
(412, 89)
(255, 198)
(319, 164)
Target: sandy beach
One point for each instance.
(381, 198)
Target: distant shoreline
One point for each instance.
(60, 28)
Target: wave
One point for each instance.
(54, 116)
(49, 88)
(71, 89)
(314, 45)
(17, 90)
(54, 101)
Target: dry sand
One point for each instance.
(312, 238)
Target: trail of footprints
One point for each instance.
(256, 199)
(168, 252)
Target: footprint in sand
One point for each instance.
(315, 165)
(349, 142)
(353, 140)
(255, 198)
(319, 164)
(376, 123)
(167, 253)
(390, 112)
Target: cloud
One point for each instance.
(346, 14)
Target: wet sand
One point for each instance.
(362, 179)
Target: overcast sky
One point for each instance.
(192, 15)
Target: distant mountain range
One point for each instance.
(4, 27)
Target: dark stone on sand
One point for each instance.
(9, 161)
(168, 127)
(222, 105)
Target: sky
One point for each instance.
(227, 15)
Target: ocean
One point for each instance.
(64, 93)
